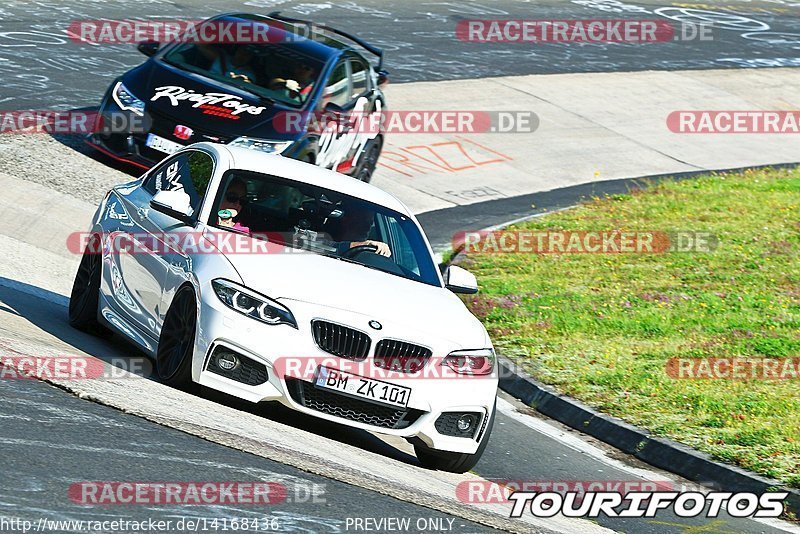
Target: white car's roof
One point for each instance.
(276, 165)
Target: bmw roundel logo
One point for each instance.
(375, 324)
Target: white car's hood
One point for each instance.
(329, 282)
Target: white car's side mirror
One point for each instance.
(460, 280)
(174, 203)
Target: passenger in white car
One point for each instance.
(231, 205)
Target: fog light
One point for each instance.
(466, 422)
(227, 360)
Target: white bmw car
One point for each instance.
(271, 279)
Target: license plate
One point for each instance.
(363, 388)
(162, 145)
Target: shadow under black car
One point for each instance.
(77, 142)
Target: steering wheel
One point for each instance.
(355, 251)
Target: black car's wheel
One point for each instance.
(454, 462)
(372, 153)
(83, 300)
(176, 345)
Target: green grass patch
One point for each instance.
(601, 327)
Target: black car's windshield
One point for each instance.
(278, 72)
(322, 221)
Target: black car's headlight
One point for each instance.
(252, 304)
(126, 101)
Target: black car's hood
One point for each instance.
(224, 110)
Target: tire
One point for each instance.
(176, 343)
(85, 294)
(454, 462)
(371, 155)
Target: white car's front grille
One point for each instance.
(401, 356)
(341, 341)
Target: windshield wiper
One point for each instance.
(248, 90)
(350, 260)
(227, 81)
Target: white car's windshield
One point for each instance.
(323, 221)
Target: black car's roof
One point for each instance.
(319, 45)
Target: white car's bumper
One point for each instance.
(432, 394)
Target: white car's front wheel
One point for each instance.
(454, 462)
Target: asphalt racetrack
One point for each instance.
(41, 67)
(50, 438)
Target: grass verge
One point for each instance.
(603, 327)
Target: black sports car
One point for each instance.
(266, 96)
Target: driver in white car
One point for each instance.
(355, 226)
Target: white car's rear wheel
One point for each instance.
(176, 345)
(454, 462)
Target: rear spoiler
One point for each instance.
(309, 24)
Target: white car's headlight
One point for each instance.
(126, 101)
(252, 304)
(471, 362)
(263, 145)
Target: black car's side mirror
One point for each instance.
(333, 113)
(148, 48)
(383, 78)
(334, 109)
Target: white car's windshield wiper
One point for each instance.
(350, 260)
